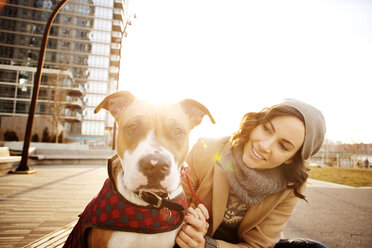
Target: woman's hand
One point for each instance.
(195, 227)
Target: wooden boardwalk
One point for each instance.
(49, 201)
(32, 206)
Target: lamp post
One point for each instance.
(23, 167)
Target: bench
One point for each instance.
(6, 160)
(53, 240)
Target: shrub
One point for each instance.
(10, 136)
(46, 135)
(35, 138)
(61, 137)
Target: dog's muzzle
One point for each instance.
(155, 166)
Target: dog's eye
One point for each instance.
(178, 132)
(131, 129)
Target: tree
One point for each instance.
(58, 97)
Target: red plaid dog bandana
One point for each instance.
(109, 210)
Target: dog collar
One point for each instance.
(162, 201)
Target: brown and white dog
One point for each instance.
(152, 144)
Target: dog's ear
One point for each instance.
(116, 102)
(195, 111)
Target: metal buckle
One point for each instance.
(159, 199)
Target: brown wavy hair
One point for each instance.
(294, 172)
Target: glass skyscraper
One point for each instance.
(81, 65)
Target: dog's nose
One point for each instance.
(154, 165)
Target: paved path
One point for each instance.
(337, 215)
(32, 206)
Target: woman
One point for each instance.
(249, 183)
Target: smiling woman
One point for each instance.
(255, 177)
(274, 143)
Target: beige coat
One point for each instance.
(262, 224)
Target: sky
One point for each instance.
(240, 56)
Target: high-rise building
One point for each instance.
(81, 65)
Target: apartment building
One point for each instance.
(81, 65)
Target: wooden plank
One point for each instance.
(36, 205)
(54, 239)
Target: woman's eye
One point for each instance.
(266, 128)
(283, 146)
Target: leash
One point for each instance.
(185, 173)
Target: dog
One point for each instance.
(142, 204)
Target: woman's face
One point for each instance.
(274, 143)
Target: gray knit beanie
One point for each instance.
(315, 127)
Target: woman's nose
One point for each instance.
(266, 145)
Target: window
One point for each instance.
(101, 49)
(8, 76)
(22, 107)
(24, 92)
(98, 74)
(37, 28)
(22, 54)
(66, 32)
(103, 25)
(98, 36)
(42, 108)
(7, 90)
(52, 43)
(96, 87)
(7, 24)
(83, 22)
(104, 3)
(23, 26)
(6, 106)
(98, 61)
(6, 52)
(9, 11)
(65, 45)
(81, 34)
(93, 128)
(34, 41)
(33, 54)
(53, 30)
(80, 60)
(7, 38)
(67, 19)
(50, 57)
(82, 47)
(84, 9)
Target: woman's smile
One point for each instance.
(257, 155)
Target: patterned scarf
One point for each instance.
(251, 185)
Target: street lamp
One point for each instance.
(23, 167)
